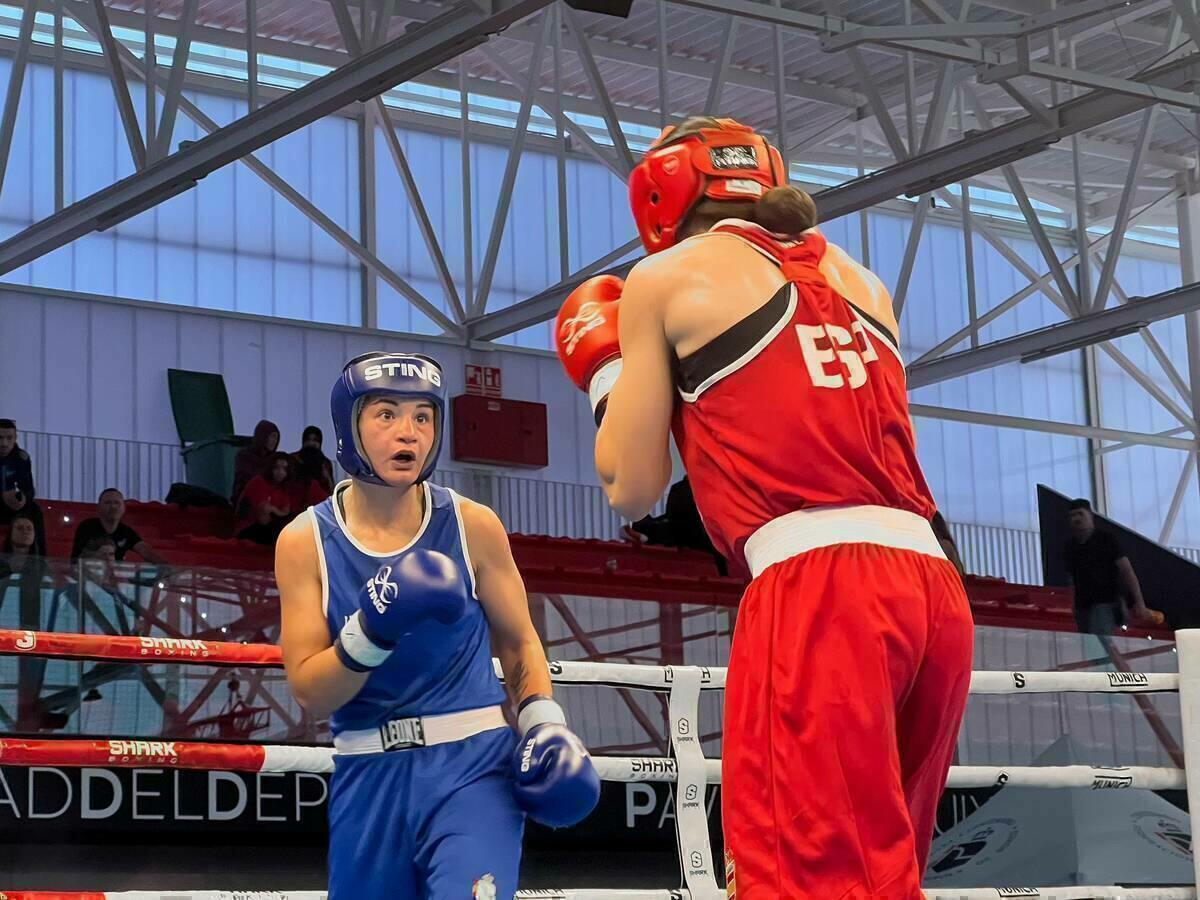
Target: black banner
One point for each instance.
(42, 804)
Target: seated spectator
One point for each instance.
(98, 559)
(679, 526)
(312, 440)
(100, 587)
(309, 484)
(266, 504)
(253, 460)
(111, 507)
(20, 547)
(16, 484)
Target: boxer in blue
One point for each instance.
(394, 592)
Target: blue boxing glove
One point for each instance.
(556, 783)
(421, 585)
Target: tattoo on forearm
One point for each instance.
(518, 679)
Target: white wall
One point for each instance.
(85, 365)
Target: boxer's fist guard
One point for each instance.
(420, 585)
(585, 336)
(555, 782)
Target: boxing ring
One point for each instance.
(686, 767)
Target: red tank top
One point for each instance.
(800, 404)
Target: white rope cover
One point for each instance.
(1072, 682)
(657, 768)
(654, 678)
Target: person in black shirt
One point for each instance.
(16, 483)
(1101, 575)
(680, 525)
(111, 507)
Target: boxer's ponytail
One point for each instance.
(785, 209)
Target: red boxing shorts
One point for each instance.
(847, 683)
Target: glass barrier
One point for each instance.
(55, 697)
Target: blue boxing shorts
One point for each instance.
(426, 823)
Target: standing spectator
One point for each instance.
(1100, 574)
(253, 460)
(267, 503)
(310, 484)
(111, 507)
(16, 484)
(312, 440)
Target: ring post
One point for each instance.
(1187, 642)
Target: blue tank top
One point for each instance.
(437, 668)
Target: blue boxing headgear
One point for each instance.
(409, 376)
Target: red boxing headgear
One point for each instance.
(729, 161)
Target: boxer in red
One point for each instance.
(774, 359)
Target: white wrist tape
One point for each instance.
(602, 382)
(540, 712)
(358, 646)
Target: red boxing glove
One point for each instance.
(586, 338)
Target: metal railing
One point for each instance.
(1014, 554)
(71, 467)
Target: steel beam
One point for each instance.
(560, 154)
(1039, 283)
(664, 66)
(366, 213)
(465, 25)
(251, 54)
(468, 205)
(717, 85)
(411, 188)
(578, 133)
(1185, 477)
(306, 207)
(994, 147)
(108, 44)
(1188, 210)
(592, 71)
(60, 187)
(504, 198)
(781, 128)
(150, 61)
(995, 420)
(1071, 12)
(1121, 222)
(532, 311)
(1053, 339)
(1002, 73)
(183, 46)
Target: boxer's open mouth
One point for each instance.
(405, 456)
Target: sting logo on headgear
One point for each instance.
(715, 158)
(407, 376)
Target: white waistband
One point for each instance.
(806, 529)
(425, 731)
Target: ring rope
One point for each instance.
(1007, 893)
(196, 651)
(271, 758)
